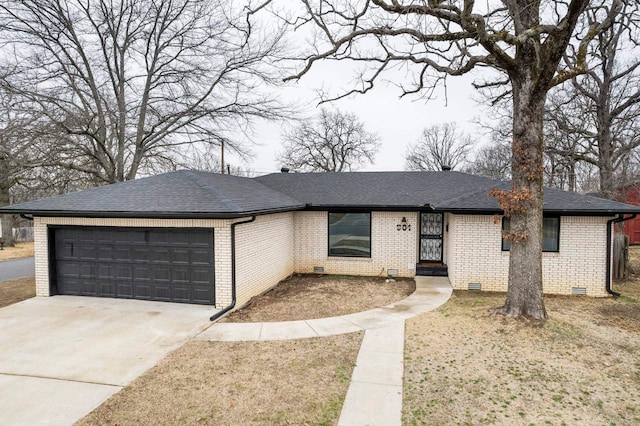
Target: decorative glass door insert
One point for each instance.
(431, 237)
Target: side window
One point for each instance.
(350, 234)
(550, 234)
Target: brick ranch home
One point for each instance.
(205, 238)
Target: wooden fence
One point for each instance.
(620, 255)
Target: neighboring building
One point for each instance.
(197, 237)
(630, 194)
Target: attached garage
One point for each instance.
(159, 264)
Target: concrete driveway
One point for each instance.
(17, 268)
(62, 356)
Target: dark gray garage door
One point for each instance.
(162, 264)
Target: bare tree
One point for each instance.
(492, 161)
(25, 152)
(335, 142)
(524, 40)
(596, 118)
(439, 145)
(124, 82)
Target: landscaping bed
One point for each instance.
(302, 297)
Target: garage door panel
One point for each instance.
(200, 256)
(150, 264)
(106, 288)
(89, 287)
(200, 275)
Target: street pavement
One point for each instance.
(18, 268)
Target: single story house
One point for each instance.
(197, 237)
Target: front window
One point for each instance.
(550, 234)
(350, 234)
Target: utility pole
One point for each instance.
(222, 155)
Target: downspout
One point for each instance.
(610, 223)
(219, 315)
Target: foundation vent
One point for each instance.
(578, 290)
(474, 286)
(318, 269)
(392, 272)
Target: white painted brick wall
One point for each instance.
(390, 248)
(264, 254)
(474, 255)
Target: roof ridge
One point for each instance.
(475, 191)
(192, 175)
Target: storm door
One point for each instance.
(431, 237)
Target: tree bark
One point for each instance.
(524, 294)
(7, 231)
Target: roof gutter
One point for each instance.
(149, 215)
(610, 223)
(223, 312)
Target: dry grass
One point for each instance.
(319, 296)
(18, 251)
(17, 291)
(296, 382)
(465, 366)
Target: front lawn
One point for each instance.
(466, 366)
(293, 382)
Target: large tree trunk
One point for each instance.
(7, 231)
(524, 294)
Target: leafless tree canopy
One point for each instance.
(492, 161)
(122, 83)
(596, 118)
(592, 123)
(439, 145)
(335, 142)
(525, 41)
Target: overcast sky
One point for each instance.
(397, 121)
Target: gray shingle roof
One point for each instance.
(199, 194)
(442, 191)
(184, 193)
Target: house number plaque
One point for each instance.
(403, 227)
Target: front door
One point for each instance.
(431, 237)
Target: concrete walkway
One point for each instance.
(431, 292)
(375, 392)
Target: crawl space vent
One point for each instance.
(392, 272)
(318, 269)
(474, 286)
(578, 290)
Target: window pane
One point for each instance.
(550, 233)
(349, 234)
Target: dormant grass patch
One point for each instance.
(17, 290)
(466, 366)
(294, 382)
(18, 251)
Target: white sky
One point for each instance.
(397, 121)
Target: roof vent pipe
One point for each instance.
(284, 170)
(446, 168)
